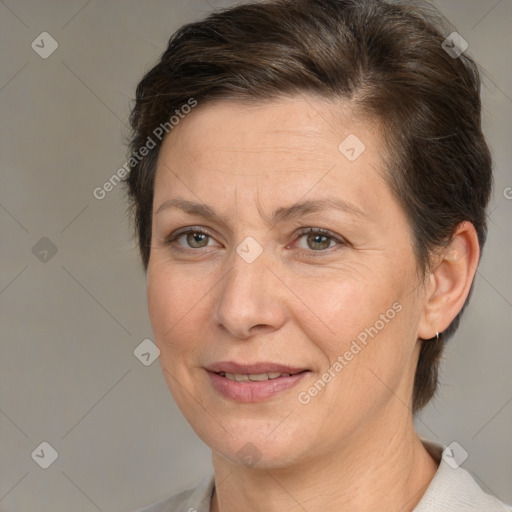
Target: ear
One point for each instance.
(450, 281)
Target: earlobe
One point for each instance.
(450, 281)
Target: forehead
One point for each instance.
(299, 123)
(280, 150)
(289, 127)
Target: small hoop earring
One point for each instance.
(435, 338)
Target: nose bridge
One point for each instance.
(249, 295)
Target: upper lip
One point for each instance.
(252, 369)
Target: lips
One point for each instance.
(256, 382)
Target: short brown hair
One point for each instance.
(387, 59)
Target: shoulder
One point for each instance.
(453, 489)
(195, 499)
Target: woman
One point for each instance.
(309, 186)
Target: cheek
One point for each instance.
(171, 299)
(340, 309)
(173, 314)
(362, 323)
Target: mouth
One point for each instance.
(254, 377)
(253, 382)
(230, 367)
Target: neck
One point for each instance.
(383, 470)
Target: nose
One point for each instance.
(252, 298)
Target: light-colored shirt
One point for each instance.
(452, 489)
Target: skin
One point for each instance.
(301, 303)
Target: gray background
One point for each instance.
(69, 325)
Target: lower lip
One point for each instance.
(250, 392)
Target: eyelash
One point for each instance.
(171, 241)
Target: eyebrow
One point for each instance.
(279, 215)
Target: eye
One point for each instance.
(190, 239)
(317, 239)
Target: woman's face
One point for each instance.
(237, 284)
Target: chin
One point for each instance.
(258, 445)
(247, 453)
